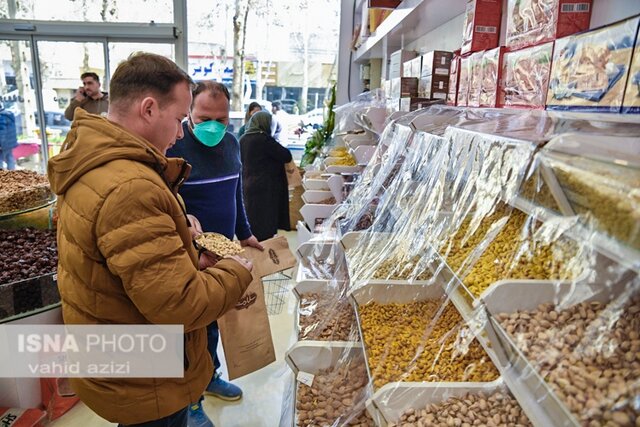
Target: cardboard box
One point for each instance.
(590, 70)
(385, 4)
(412, 67)
(531, 23)
(453, 79)
(481, 25)
(491, 70)
(397, 59)
(413, 104)
(404, 87)
(525, 77)
(377, 17)
(463, 81)
(631, 103)
(434, 87)
(436, 62)
(475, 79)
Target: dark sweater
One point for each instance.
(213, 192)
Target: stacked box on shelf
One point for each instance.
(411, 68)
(631, 102)
(475, 79)
(404, 87)
(524, 80)
(434, 75)
(464, 81)
(530, 23)
(454, 78)
(481, 28)
(397, 60)
(491, 69)
(590, 70)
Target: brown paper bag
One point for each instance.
(294, 178)
(245, 330)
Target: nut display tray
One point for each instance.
(311, 254)
(394, 399)
(312, 213)
(539, 401)
(331, 167)
(24, 297)
(317, 196)
(327, 292)
(353, 239)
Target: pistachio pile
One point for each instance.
(336, 397)
(324, 317)
(589, 354)
(473, 409)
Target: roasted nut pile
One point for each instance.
(314, 268)
(589, 354)
(328, 201)
(325, 317)
(613, 200)
(474, 409)
(336, 397)
(406, 342)
(219, 244)
(21, 189)
(512, 255)
(27, 253)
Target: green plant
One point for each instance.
(320, 137)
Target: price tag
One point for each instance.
(306, 378)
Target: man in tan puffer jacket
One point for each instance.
(125, 249)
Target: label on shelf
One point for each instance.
(305, 378)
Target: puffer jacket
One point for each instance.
(126, 257)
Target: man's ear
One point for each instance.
(149, 109)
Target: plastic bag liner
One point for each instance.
(477, 298)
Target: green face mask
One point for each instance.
(209, 133)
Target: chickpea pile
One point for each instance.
(325, 317)
(406, 342)
(473, 409)
(590, 356)
(510, 255)
(336, 397)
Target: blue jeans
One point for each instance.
(213, 335)
(179, 419)
(6, 156)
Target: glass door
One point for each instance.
(20, 144)
(61, 65)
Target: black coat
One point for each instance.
(266, 192)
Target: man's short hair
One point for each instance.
(143, 73)
(213, 88)
(94, 76)
(277, 105)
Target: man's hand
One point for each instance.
(196, 228)
(207, 259)
(80, 94)
(243, 261)
(252, 242)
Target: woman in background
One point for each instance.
(253, 108)
(266, 192)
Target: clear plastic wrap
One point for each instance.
(532, 22)
(475, 79)
(631, 103)
(453, 78)
(525, 77)
(471, 291)
(590, 70)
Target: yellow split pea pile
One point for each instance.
(412, 342)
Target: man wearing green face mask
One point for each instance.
(213, 194)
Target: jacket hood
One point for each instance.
(94, 141)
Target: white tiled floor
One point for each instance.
(263, 391)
